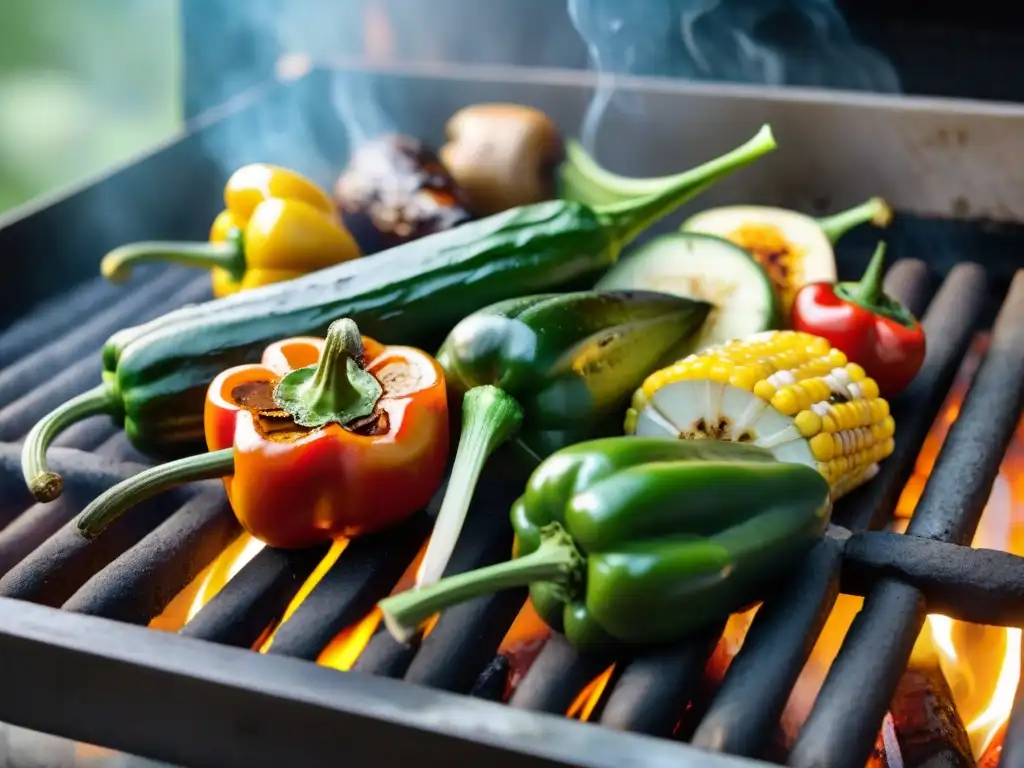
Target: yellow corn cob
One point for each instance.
(786, 391)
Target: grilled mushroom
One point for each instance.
(502, 155)
(394, 190)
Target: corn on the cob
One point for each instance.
(789, 392)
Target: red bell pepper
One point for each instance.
(322, 439)
(871, 328)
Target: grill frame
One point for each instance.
(258, 711)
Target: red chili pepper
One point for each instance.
(324, 438)
(872, 329)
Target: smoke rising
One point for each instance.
(765, 42)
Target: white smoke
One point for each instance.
(763, 42)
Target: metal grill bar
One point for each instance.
(949, 324)
(556, 676)
(386, 657)
(775, 649)
(30, 388)
(255, 598)
(652, 692)
(140, 583)
(842, 726)
(360, 578)
(249, 710)
(981, 586)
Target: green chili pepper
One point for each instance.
(635, 541)
(549, 370)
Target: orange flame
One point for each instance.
(982, 664)
(587, 700)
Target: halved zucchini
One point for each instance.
(708, 268)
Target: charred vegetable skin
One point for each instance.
(786, 391)
(873, 329)
(643, 541)
(395, 190)
(324, 438)
(549, 370)
(156, 374)
(277, 225)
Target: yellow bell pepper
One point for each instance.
(276, 225)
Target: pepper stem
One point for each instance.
(869, 289)
(490, 416)
(875, 210)
(229, 255)
(869, 294)
(629, 218)
(45, 484)
(336, 390)
(115, 501)
(557, 560)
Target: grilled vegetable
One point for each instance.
(706, 268)
(785, 391)
(631, 541)
(502, 155)
(794, 249)
(583, 179)
(341, 437)
(873, 329)
(550, 370)
(395, 190)
(277, 225)
(156, 375)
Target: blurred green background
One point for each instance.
(84, 85)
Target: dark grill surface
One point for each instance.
(133, 571)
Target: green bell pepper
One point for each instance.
(633, 541)
(549, 370)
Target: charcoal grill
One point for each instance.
(79, 662)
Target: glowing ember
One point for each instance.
(522, 643)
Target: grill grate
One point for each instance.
(142, 561)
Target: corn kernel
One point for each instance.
(822, 447)
(798, 374)
(744, 378)
(785, 401)
(808, 422)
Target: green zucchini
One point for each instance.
(707, 268)
(155, 375)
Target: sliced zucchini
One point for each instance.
(707, 268)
